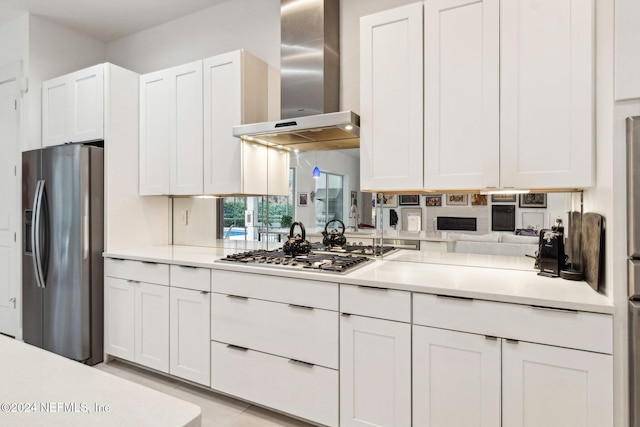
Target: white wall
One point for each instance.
(54, 50)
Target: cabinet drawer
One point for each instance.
(282, 289)
(376, 302)
(140, 271)
(306, 391)
(563, 328)
(287, 330)
(195, 278)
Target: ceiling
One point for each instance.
(106, 20)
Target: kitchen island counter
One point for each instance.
(42, 388)
(470, 281)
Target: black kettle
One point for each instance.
(335, 237)
(296, 244)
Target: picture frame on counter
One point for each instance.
(433, 200)
(478, 199)
(303, 199)
(409, 200)
(386, 200)
(533, 200)
(457, 200)
(503, 218)
(503, 198)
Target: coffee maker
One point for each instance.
(551, 257)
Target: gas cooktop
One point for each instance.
(315, 261)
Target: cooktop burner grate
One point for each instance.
(324, 262)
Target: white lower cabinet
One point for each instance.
(298, 388)
(456, 379)
(375, 372)
(189, 312)
(555, 387)
(118, 310)
(469, 380)
(137, 322)
(151, 325)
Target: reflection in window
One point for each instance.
(329, 198)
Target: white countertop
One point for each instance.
(427, 272)
(44, 389)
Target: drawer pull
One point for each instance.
(237, 347)
(187, 266)
(301, 363)
(302, 307)
(454, 297)
(510, 341)
(133, 281)
(117, 259)
(237, 297)
(373, 288)
(560, 310)
(346, 314)
(491, 338)
(204, 292)
(149, 262)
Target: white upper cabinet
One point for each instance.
(391, 100)
(627, 53)
(235, 93)
(461, 94)
(73, 107)
(171, 144)
(547, 93)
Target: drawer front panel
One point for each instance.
(296, 332)
(272, 288)
(310, 392)
(195, 278)
(150, 272)
(563, 328)
(376, 302)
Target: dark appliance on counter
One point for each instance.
(551, 258)
(62, 267)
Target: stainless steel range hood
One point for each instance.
(310, 76)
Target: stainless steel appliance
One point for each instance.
(62, 267)
(326, 262)
(633, 247)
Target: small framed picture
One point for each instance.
(410, 199)
(478, 199)
(303, 199)
(503, 198)
(433, 200)
(457, 200)
(503, 218)
(533, 200)
(386, 200)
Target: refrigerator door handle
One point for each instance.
(35, 234)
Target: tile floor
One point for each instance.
(217, 410)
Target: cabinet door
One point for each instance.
(56, 105)
(152, 326)
(627, 39)
(154, 133)
(555, 387)
(277, 172)
(189, 335)
(87, 104)
(547, 93)
(456, 379)
(119, 318)
(375, 372)
(235, 93)
(185, 129)
(391, 100)
(462, 90)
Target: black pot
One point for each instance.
(296, 244)
(335, 237)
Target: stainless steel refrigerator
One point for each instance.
(62, 266)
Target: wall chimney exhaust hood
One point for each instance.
(310, 78)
